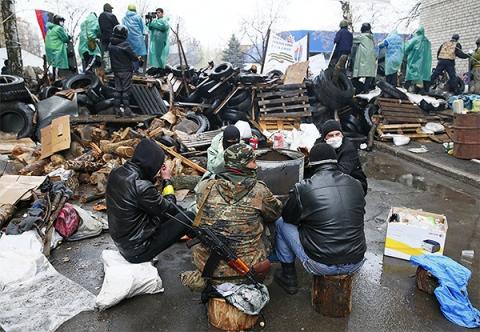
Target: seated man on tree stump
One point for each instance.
(322, 223)
(235, 206)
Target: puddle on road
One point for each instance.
(460, 202)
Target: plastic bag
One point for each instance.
(124, 280)
(67, 221)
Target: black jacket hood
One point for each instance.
(149, 156)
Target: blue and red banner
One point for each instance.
(43, 17)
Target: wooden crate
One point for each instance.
(275, 124)
(198, 140)
(283, 101)
(400, 111)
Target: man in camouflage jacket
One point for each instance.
(236, 205)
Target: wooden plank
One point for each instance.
(277, 93)
(300, 108)
(184, 160)
(225, 101)
(182, 104)
(110, 119)
(284, 100)
(399, 126)
(284, 115)
(400, 120)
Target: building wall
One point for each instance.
(443, 18)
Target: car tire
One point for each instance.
(17, 117)
(47, 92)
(392, 91)
(231, 116)
(251, 78)
(244, 106)
(12, 88)
(221, 71)
(201, 120)
(104, 104)
(238, 97)
(86, 80)
(332, 95)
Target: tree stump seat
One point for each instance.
(225, 316)
(425, 281)
(332, 295)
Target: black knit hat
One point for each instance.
(149, 156)
(321, 154)
(231, 136)
(330, 125)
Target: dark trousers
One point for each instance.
(336, 56)
(449, 67)
(165, 236)
(123, 85)
(363, 87)
(392, 79)
(90, 62)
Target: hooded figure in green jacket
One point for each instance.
(365, 64)
(56, 44)
(418, 51)
(88, 46)
(159, 47)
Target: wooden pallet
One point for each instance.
(283, 101)
(400, 111)
(412, 130)
(274, 124)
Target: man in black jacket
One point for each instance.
(347, 154)
(107, 21)
(122, 58)
(137, 211)
(322, 223)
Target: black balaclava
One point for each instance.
(231, 136)
(149, 156)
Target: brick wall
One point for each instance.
(443, 18)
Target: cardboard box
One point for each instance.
(55, 137)
(16, 187)
(414, 232)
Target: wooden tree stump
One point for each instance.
(425, 281)
(225, 316)
(332, 295)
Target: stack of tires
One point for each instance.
(334, 95)
(237, 107)
(16, 112)
(96, 97)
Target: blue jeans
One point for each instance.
(289, 246)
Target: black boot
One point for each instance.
(287, 278)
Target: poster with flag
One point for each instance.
(281, 53)
(43, 17)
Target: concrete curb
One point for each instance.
(466, 177)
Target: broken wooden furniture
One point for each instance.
(412, 130)
(425, 281)
(332, 295)
(225, 316)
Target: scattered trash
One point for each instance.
(467, 256)
(421, 149)
(414, 232)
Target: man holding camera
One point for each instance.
(159, 31)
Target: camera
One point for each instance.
(149, 17)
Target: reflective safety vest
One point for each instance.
(447, 52)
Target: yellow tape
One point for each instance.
(402, 247)
(168, 190)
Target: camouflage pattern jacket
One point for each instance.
(236, 210)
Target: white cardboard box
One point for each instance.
(406, 237)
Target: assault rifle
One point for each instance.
(219, 250)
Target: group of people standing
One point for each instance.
(416, 53)
(95, 37)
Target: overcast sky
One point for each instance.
(213, 21)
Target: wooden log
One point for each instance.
(108, 147)
(185, 182)
(225, 316)
(35, 168)
(6, 213)
(87, 198)
(125, 151)
(332, 295)
(83, 165)
(425, 281)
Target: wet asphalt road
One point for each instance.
(384, 293)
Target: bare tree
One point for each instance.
(9, 22)
(411, 16)
(256, 28)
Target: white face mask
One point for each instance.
(61, 23)
(335, 142)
